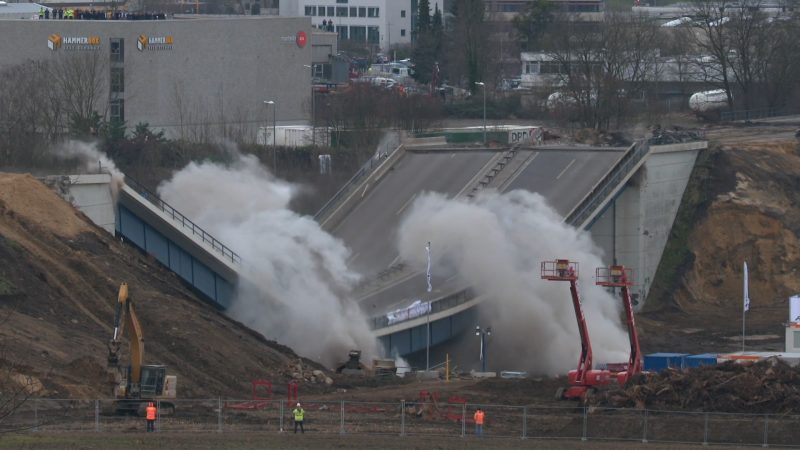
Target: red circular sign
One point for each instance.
(301, 39)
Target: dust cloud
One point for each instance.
(496, 243)
(92, 159)
(295, 278)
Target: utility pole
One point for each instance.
(483, 85)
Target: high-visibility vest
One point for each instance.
(151, 413)
(479, 417)
(299, 413)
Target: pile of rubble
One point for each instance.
(769, 386)
(299, 373)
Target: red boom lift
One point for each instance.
(621, 277)
(583, 379)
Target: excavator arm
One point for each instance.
(126, 316)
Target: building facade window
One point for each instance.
(402, 32)
(358, 34)
(341, 1)
(331, 10)
(373, 12)
(353, 11)
(117, 110)
(341, 11)
(402, 13)
(342, 32)
(373, 36)
(117, 46)
(311, 10)
(117, 80)
(362, 11)
(320, 11)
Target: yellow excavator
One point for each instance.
(137, 384)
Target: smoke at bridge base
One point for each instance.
(496, 243)
(296, 283)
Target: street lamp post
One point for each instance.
(483, 85)
(274, 134)
(313, 110)
(483, 333)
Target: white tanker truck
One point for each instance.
(708, 103)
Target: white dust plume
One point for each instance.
(93, 160)
(296, 280)
(495, 243)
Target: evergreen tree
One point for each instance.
(424, 46)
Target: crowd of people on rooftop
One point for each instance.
(93, 14)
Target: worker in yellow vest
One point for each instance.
(299, 415)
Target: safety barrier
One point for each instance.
(608, 184)
(440, 417)
(182, 220)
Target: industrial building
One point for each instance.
(184, 73)
(382, 23)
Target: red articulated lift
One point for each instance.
(584, 379)
(622, 277)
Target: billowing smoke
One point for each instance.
(495, 243)
(93, 160)
(296, 281)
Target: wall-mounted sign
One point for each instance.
(56, 41)
(301, 39)
(154, 42)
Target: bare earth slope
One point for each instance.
(59, 277)
(749, 212)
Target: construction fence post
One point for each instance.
(157, 425)
(402, 417)
(644, 428)
(219, 414)
(766, 431)
(341, 418)
(280, 421)
(36, 414)
(463, 420)
(97, 416)
(585, 420)
(524, 422)
(705, 430)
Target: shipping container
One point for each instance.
(705, 359)
(655, 362)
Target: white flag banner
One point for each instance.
(746, 293)
(428, 249)
(794, 308)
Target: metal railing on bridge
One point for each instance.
(179, 218)
(438, 305)
(603, 189)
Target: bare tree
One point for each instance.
(600, 68)
(81, 81)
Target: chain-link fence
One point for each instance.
(427, 417)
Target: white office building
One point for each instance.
(384, 23)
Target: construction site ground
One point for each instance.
(308, 441)
(59, 275)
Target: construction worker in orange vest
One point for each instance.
(151, 417)
(479, 422)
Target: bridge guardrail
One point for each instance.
(603, 189)
(165, 207)
(437, 305)
(366, 169)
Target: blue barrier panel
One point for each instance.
(157, 244)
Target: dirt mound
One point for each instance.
(750, 213)
(25, 196)
(59, 276)
(768, 386)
